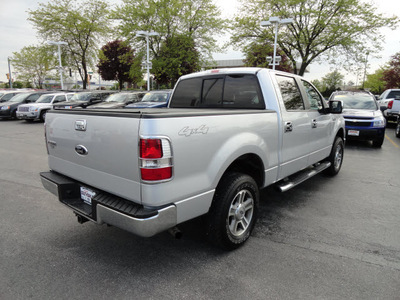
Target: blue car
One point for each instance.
(153, 99)
(363, 117)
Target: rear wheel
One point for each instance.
(233, 212)
(398, 129)
(336, 157)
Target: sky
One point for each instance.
(16, 32)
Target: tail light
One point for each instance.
(390, 104)
(155, 159)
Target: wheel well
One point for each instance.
(251, 165)
(341, 133)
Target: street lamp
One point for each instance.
(147, 63)
(9, 72)
(59, 58)
(275, 21)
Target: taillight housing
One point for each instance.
(390, 104)
(155, 159)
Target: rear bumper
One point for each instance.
(110, 209)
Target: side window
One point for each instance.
(187, 93)
(32, 98)
(290, 93)
(313, 97)
(59, 98)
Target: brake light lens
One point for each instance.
(390, 104)
(150, 148)
(155, 160)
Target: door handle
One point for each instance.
(314, 123)
(288, 126)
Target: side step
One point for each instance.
(301, 176)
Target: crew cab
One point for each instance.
(226, 135)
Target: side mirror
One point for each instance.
(335, 107)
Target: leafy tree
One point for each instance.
(199, 19)
(331, 82)
(392, 74)
(326, 29)
(33, 63)
(256, 56)
(375, 82)
(79, 23)
(177, 56)
(116, 61)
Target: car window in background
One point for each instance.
(357, 101)
(155, 97)
(81, 97)
(116, 98)
(45, 99)
(18, 98)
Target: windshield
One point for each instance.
(81, 97)
(19, 98)
(120, 97)
(155, 97)
(357, 101)
(45, 99)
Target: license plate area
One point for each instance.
(87, 195)
(353, 132)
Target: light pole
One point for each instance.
(275, 21)
(9, 72)
(148, 63)
(59, 58)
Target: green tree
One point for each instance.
(33, 63)
(391, 74)
(199, 19)
(256, 56)
(177, 56)
(116, 59)
(375, 82)
(81, 24)
(322, 29)
(331, 82)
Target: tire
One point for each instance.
(43, 115)
(335, 157)
(378, 143)
(398, 129)
(234, 210)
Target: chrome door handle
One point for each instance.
(288, 126)
(314, 123)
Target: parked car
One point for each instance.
(390, 99)
(363, 117)
(6, 95)
(398, 127)
(38, 109)
(153, 99)
(84, 99)
(9, 109)
(119, 100)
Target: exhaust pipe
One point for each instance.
(175, 232)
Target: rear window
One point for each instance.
(229, 91)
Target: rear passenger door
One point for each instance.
(296, 127)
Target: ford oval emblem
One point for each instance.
(81, 150)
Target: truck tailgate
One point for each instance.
(100, 150)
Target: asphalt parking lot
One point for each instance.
(329, 238)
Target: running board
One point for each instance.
(302, 176)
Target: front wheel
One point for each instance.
(233, 212)
(43, 115)
(336, 157)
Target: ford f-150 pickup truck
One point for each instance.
(226, 134)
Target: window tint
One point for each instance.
(394, 94)
(313, 96)
(290, 93)
(33, 97)
(229, 91)
(187, 93)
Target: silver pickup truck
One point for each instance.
(226, 135)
